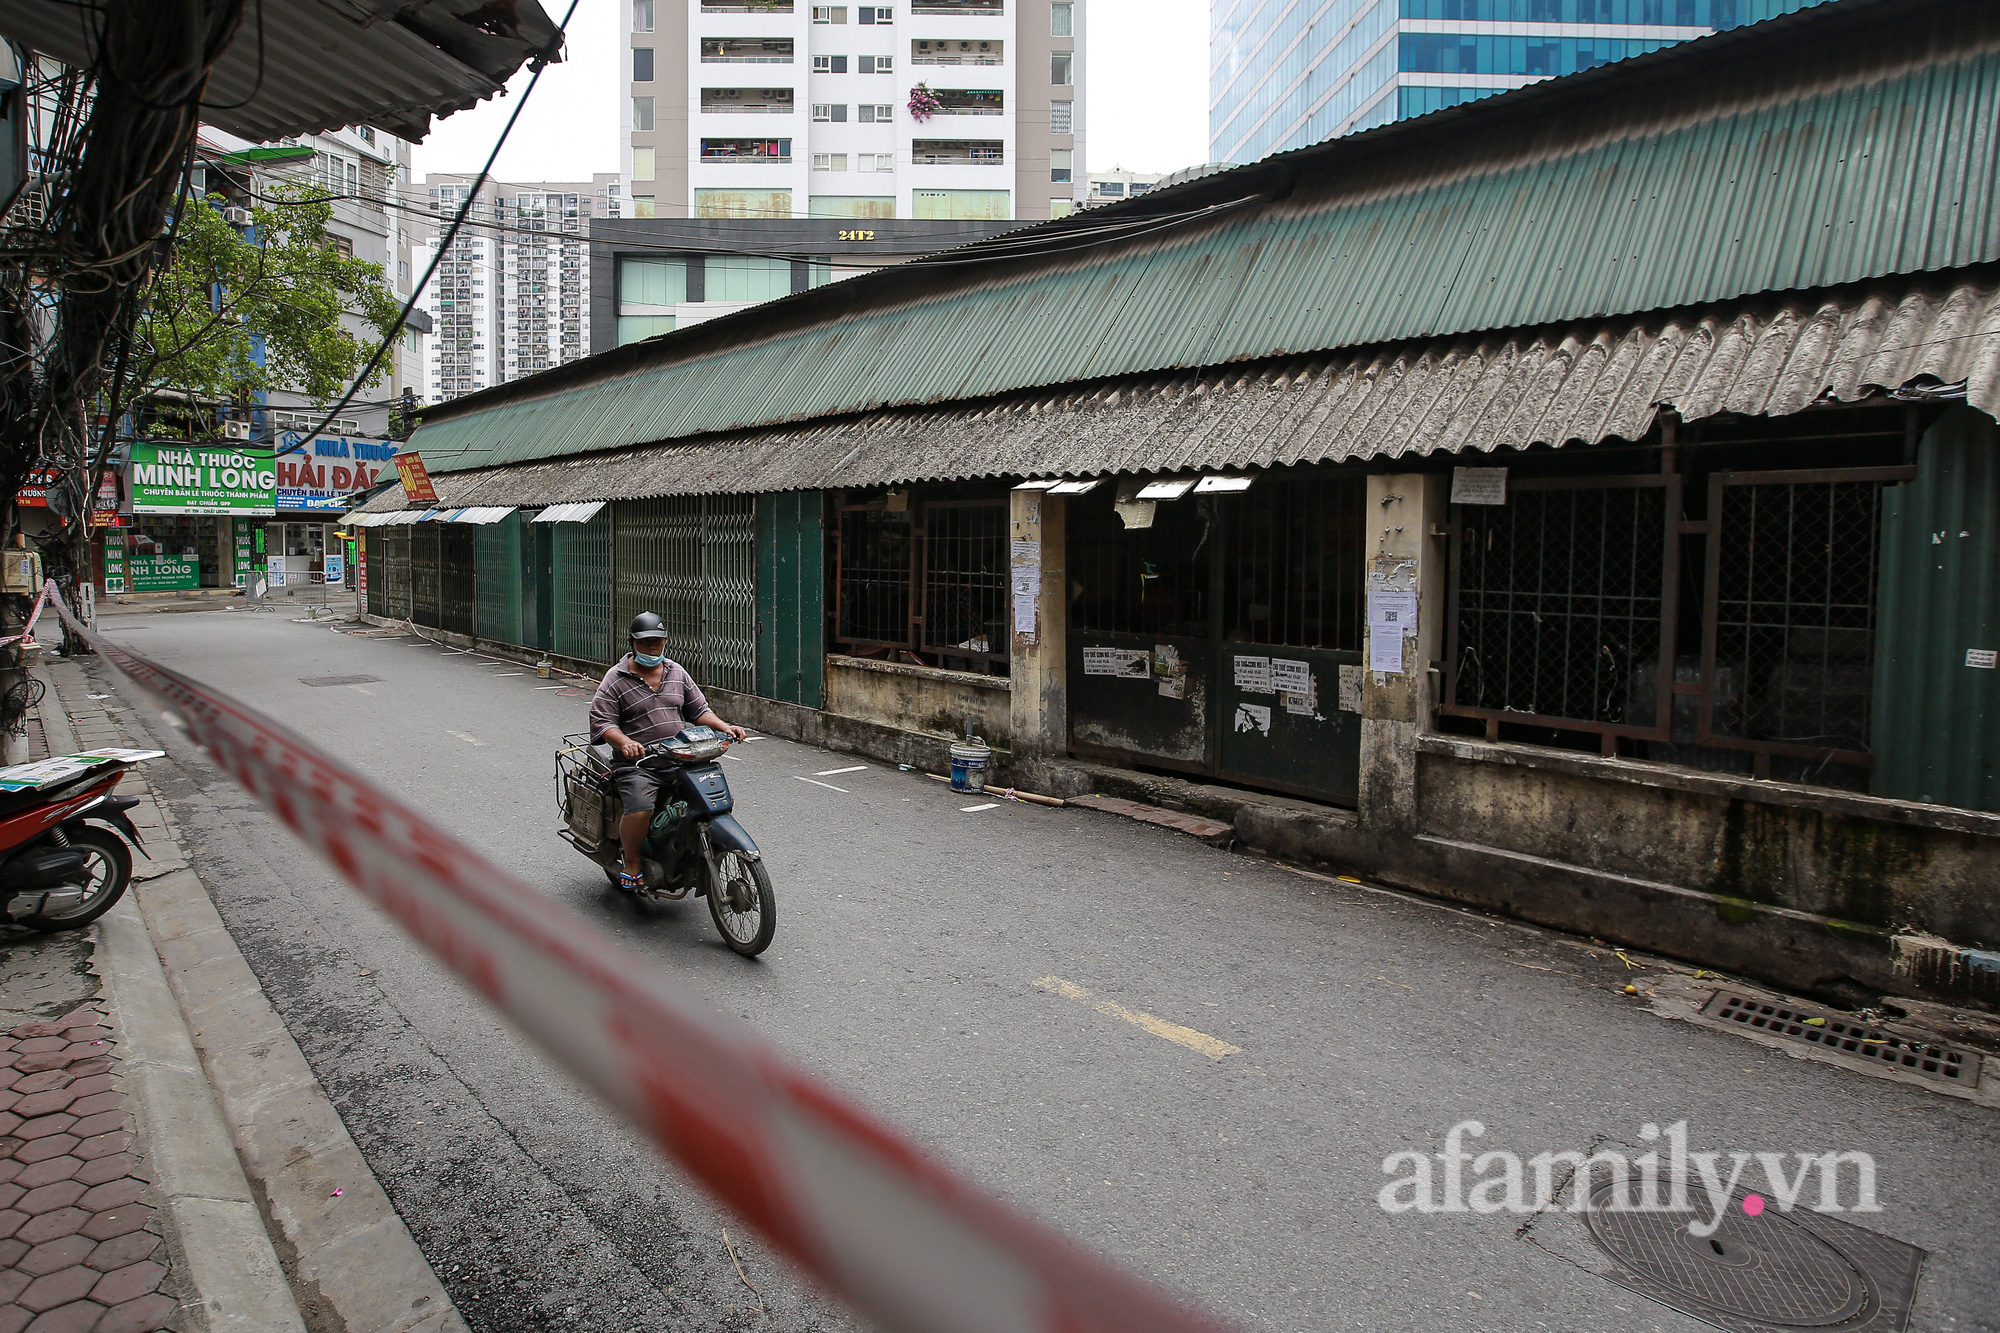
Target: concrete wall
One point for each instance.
(921, 699)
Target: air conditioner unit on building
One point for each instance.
(235, 430)
(236, 216)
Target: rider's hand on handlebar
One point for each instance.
(631, 749)
(735, 733)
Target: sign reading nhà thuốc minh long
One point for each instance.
(224, 479)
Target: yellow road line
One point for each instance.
(1159, 1027)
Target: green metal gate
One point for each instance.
(455, 577)
(424, 574)
(497, 580)
(395, 571)
(791, 622)
(1937, 686)
(693, 559)
(580, 572)
(372, 554)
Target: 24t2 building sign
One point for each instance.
(202, 479)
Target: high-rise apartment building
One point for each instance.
(511, 296)
(920, 109)
(1286, 73)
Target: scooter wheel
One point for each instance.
(741, 903)
(110, 870)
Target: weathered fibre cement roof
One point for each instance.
(1580, 383)
(1850, 141)
(323, 64)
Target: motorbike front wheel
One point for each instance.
(741, 901)
(109, 867)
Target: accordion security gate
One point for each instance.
(693, 559)
(580, 568)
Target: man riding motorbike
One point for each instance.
(643, 699)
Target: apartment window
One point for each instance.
(878, 65)
(642, 64)
(642, 15)
(829, 64)
(876, 162)
(1062, 20)
(1062, 68)
(930, 578)
(1062, 165)
(1061, 208)
(829, 13)
(642, 113)
(1062, 117)
(959, 152)
(879, 113)
(958, 7)
(642, 164)
(829, 161)
(747, 101)
(746, 150)
(1110, 189)
(746, 6)
(877, 14)
(746, 50)
(833, 112)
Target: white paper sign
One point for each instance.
(1291, 677)
(1385, 650)
(1479, 485)
(1125, 663)
(1984, 658)
(1304, 703)
(1392, 612)
(1253, 717)
(1027, 553)
(1025, 588)
(1253, 675)
(1350, 689)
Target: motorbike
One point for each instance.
(64, 858)
(695, 846)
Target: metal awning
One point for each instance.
(570, 513)
(398, 63)
(487, 514)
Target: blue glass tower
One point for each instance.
(1286, 73)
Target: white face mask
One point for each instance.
(649, 659)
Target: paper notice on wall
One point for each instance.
(1392, 611)
(1253, 717)
(1028, 554)
(1124, 663)
(1350, 689)
(1026, 589)
(1253, 675)
(1291, 677)
(1385, 649)
(1985, 658)
(1479, 485)
(1304, 703)
(1170, 669)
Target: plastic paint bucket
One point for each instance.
(969, 762)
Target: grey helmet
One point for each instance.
(647, 625)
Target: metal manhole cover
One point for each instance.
(1927, 1059)
(320, 682)
(1772, 1271)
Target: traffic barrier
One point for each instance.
(872, 1218)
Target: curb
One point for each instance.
(229, 1261)
(349, 1262)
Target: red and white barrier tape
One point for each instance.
(874, 1219)
(41, 601)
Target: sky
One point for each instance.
(1147, 97)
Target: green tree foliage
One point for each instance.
(281, 287)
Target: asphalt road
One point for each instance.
(911, 935)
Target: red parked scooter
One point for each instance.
(60, 866)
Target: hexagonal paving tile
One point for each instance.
(122, 1251)
(51, 1197)
(128, 1283)
(140, 1316)
(106, 1225)
(48, 1171)
(49, 1226)
(65, 1252)
(58, 1288)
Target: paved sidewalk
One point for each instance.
(82, 1251)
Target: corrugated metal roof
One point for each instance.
(323, 64)
(1850, 141)
(1578, 383)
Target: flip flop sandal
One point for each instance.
(631, 883)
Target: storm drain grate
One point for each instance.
(321, 682)
(1932, 1060)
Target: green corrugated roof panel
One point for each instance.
(1720, 168)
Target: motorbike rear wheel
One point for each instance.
(741, 902)
(110, 869)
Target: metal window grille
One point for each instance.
(1150, 580)
(1788, 625)
(965, 582)
(1563, 603)
(1292, 563)
(873, 578)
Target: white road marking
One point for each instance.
(504, 674)
(361, 689)
(828, 785)
(551, 687)
(469, 740)
(990, 805)
(830, 772)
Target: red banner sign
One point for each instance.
(416, 480)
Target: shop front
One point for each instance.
(194, 508)
(315, 483)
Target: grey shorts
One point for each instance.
(638, 788)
